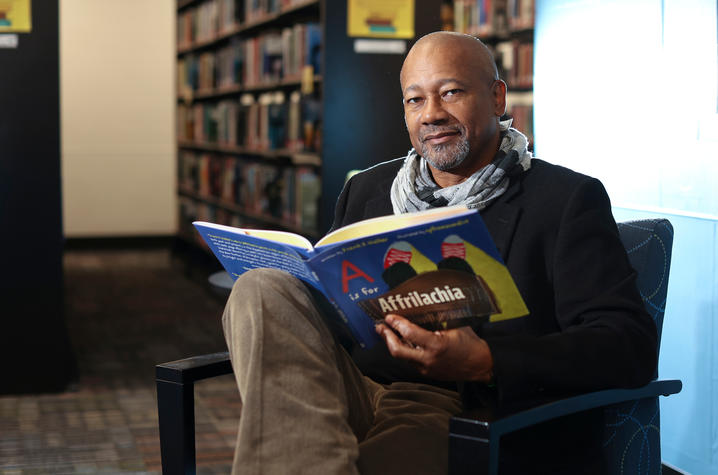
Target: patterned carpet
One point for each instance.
(126, 312)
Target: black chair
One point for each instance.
(632, 431)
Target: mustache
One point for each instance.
(430, 130)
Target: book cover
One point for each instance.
(439, 268)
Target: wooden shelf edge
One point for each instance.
(499, 36)
(520, 89)
(241, 211)
(296, 158)
(243, 27)
(205, 94)
(182, 4)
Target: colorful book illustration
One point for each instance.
(438, 268)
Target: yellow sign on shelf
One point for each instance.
(15, 16)
(380, 18)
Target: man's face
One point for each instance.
(450, 107)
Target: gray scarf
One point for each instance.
(414, 188)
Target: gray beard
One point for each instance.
(446, 157)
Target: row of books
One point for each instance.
(197, 73)
(515, 62)
(262, 60)
(271, 121)
(214, 18)
(492, 17)
(207, 21)
(479, 17)
(278, 55)
(521, 14)
(258, 10)
(284, 192)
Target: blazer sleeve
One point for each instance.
(604, 338)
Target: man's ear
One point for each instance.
(498, 89)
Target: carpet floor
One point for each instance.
(126, 311)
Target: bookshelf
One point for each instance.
(507, 27)
(275, 106)
(247, 82)
(36, 350)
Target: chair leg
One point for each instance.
(175, 408)
(470, 455)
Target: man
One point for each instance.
(309, 407)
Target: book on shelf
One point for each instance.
(524, 72)
(521, 14)
(523, 119)
(228, 180)
(514, 60)
(439, 268)
(480, 17)
(230, 65)
(184, 30)
(206, 70)
(230, 15)
(206, 21)
(282, 54)
(311, 120)
(313, 50)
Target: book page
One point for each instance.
(277, 236)
(239, 252)
(384, 224)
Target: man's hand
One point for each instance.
(451, 355)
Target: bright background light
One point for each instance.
(625, 90)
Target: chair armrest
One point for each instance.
(193, 369)
(470, 424)
(175, 407)
(474, 436)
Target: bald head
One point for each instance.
(475, 54)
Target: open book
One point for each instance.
(439, 268)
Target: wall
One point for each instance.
(117, 112)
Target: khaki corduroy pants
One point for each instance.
(306, 408)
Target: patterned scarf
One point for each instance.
(414, 188)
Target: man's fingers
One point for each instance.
(397, 347)
(453, 355)
(411, 332)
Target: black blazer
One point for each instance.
(587, 328)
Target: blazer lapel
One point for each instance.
(501, 218)
(378, 206)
